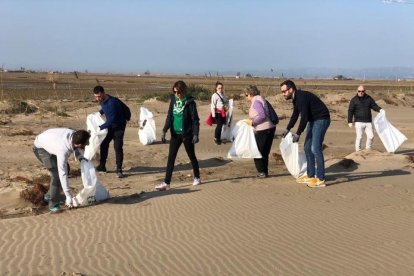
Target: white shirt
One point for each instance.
(58, 141)
(216, 102)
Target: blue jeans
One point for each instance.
(315, 134)
(50, 162)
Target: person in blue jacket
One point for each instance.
(117, 114)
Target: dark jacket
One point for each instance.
(114, 113)
(191, 121)
(310, 108)
(360, 109)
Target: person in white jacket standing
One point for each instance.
(53, 148)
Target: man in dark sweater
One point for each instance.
(360, 109)
(117, 114)
(315, 115)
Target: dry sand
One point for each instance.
(232, 224)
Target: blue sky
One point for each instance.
(200, 36)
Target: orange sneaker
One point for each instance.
(316, 183)
(303, 179)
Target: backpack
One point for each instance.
(272, 114)
(125, 110)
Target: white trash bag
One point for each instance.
(244, 144)
(146, 131)
(93, 121)
(391, 137)
(226, 130)
(295, 161)
(92, 191)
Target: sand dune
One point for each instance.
(233, 224)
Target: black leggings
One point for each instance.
(264, 140)
(175, 144)
(220, 121)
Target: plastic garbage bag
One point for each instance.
(244, 144)
(92, 191)
(391, 137)
(93, 121)
(146, 131)
(295, 160)
(226, 130)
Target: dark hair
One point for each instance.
(251, 90)
(98, 89)
(219, 83)
(80, 137)
(180, 86)
(289, 84)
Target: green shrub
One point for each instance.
(199, 92)
(163, 97)
(62, 113)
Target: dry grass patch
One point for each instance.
(35, 194)
(278, 158)
(20, 132)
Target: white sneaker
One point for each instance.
(162, 187)
(196, 181)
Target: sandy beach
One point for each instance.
(233, 224)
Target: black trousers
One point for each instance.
(264, 140)
(116, 134)
(220, 121)
(175, 144)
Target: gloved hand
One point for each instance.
(143, 124)
(295, 138)
(285, 132)
(195, 139)
(69, 202)
(83, 158)
(163, 137)
(350, 125)
(249, 122)
(382, 111)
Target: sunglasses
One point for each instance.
(361, 91)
